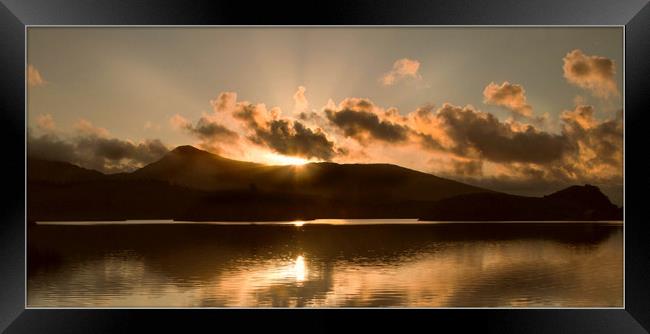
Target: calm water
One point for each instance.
(338, 263)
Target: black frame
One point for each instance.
(15, 15)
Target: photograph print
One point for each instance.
(324, 167)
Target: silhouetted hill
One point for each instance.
(194, 168)
(574, 203)
(59, 172)
(191, 184)
(584, 196)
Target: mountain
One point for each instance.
(573, 203)
(191, 184)
(194, 168)
(197, 169)
(59, 172)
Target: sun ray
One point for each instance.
(279, 159)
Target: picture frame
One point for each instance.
(17, 16)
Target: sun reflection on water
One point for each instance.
(307, 271)
(300, 269)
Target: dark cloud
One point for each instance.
(497, 141)
(284, 136)
(464, 132)
(90, 151)
(293, 138)
(593, 153)
(209, 130)
(114, 149)
(364, 125)
(50, 147)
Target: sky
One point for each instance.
(522, 110)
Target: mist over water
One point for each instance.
(304, 264)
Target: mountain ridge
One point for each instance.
(192, 184)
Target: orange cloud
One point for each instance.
(594, 73)
(300, 103)
(582, 115)
(179, 122)
(45, 122)
(511, 96)
(34, 78)
(402, 69)
(454, 141)
(224, 102)
(85, 127)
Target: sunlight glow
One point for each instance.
(298, 223)
(278, 159)
(300, 269)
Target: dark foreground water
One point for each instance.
(349, 264)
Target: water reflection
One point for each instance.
(450, 265)
(298, 223)
(299, 269)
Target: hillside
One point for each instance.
(191, 184)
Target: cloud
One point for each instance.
(293, 138)
(285, 136)
(213, 135)
(462, 131)
(402, 69)
(224, 102)
(179, 122)
(300, 103)
(582, 117)
(511, 96)
(458, 142)
(149, 125)
(208, 129)
(253, 115)
(92, 147)
(254, 124)
(467, 167)
(593, 153)
(476, 132)
(599, 144)
(108, 152)
(45, 122)
(34, 78)
(86, 128)
(51, 147)
(357, 119)
(594, 73)
(205, 129)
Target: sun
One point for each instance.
(279, 159)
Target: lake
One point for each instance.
(325, 263)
